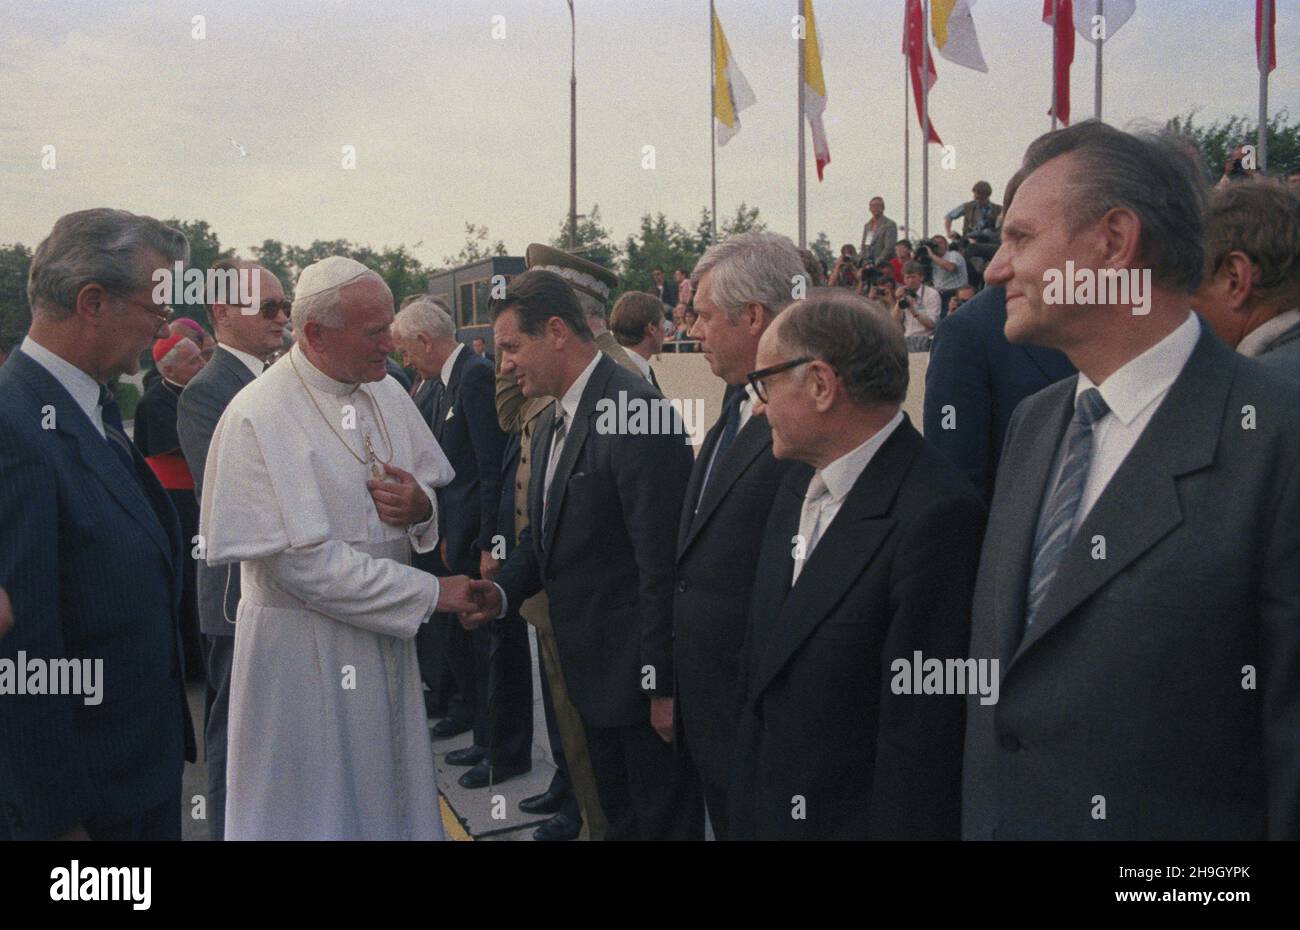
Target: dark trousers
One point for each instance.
(648, 792)
(503, 700)
(157, 823)
(459, 647)
(187, 509)
(435, 671)
(221, 656)
(560, 783)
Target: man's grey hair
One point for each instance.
(426, 314)
(592, 306)
(1150, 174)
(181, 352)
(101, 246)
(853, 335)
(325, 307)
(753, 267)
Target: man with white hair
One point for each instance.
(491, 665)
(320, 478)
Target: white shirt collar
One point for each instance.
(841, 474)
(83, 388)
(573, 396)
(251, 362)
(448, 365)
(641, 362)
(1132, 387)
(1257, 340)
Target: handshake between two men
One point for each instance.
(400, 501)
(475, 600)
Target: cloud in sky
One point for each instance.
(450, 124)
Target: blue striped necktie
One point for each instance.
(1054, 526)
(114, 431)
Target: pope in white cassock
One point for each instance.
(319, 482)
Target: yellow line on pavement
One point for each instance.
(451, 824)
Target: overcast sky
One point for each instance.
(450, 124)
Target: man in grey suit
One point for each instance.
(879, 235)
(1250, 293)
(1138, 582)
(245, 337)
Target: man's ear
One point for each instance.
(1121, 235)
(311, 334)
(1239, 277)
(92, 302)
(825, 384)
(755, 317)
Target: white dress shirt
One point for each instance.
(83, 388)
(926, 304)
(642, 363)
(448, 365)
(838, 478)
(1133, 393)
(1257, 340)
(251, 362)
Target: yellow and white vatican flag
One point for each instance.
(814, 88)
(954, 33)
(731, 92)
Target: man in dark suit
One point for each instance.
(604, 503)
(492, 665)
(664, 289)
(1138, 584)
(178, 359)
(974, 381)
(246, 335)
(733, 484)
(90, 551)
(865, 572)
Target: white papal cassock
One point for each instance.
(327, 734)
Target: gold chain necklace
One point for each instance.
(373, 460)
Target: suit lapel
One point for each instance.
(100, 459)
(698, 469)
(1140, 504)
(573, 442)
(748, 445)
(845, 550)
(1039, 359)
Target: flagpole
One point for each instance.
(1101, 40)
(1056, 13)
(803, 184)
(1265, 33)
(907, 143)
(713, 109)
(573, 129)
(925, 119)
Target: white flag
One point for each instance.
(1101, 19)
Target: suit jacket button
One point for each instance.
(1009, 742)
(519, 485)
(681, 586)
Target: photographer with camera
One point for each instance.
(948, 270)
(845, 272)
(917, 308)
(959, 297)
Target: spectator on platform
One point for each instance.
(879, 235)
(684, 290)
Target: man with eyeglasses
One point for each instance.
(868, 558)
(90, 550)
(246, 337)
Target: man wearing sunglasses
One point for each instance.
(246, 337)
(869, 556)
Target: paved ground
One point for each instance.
(490, 813)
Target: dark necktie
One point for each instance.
(114, 431)
(730, 426)
(559, 430)
(1054, 527)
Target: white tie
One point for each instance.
(810, 521)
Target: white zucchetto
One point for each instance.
(327, 274)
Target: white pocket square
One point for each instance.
(450, 413)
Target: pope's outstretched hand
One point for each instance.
(489, 604)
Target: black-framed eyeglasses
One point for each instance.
(756, 378)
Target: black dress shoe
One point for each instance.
(548, 802)
(470, 755)
(448, 727)
(482, 774)
(559, 828)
